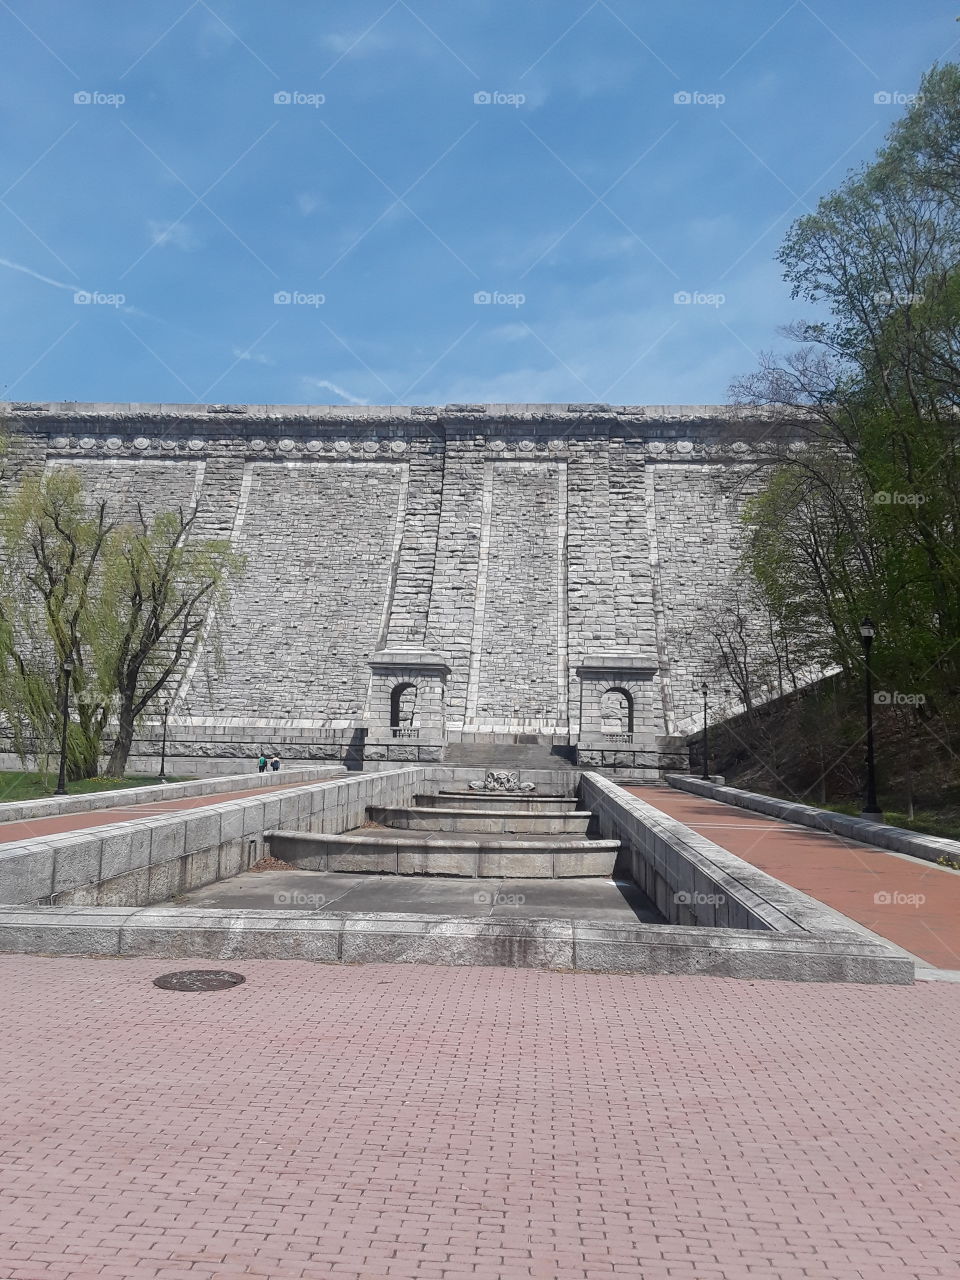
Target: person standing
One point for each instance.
(275, 763)
(262, 764)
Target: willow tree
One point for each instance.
(123, 602)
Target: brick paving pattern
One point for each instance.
(61, 822)
(386, 1123)
(915, 904)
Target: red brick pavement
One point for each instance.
(392, 1123)
(60, 823)
(915, 904)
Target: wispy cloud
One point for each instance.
(28, 271)
(323, 384)
(177, 234)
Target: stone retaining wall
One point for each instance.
(51, 806)
(155, 858)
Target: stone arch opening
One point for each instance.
(616, 711)
(403, 704)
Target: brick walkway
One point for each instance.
(913, 903)
(60, 823)
(392, 1123)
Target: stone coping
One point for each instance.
(54, 806)
(423, 810)
(879, 834)
(224, 415)
(383, 938)
(558, 842)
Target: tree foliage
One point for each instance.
(862, 511)
(124, 602)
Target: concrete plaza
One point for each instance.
(393, 1122)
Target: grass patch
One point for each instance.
(16, 786)
(925, 821)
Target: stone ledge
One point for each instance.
(374, 938)
(879, 834)
(53, 806)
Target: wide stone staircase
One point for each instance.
(461, 833)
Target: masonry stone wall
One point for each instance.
(514, 542)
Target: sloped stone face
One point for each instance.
(516, 542)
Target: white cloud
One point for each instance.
(323, 384)
(241, 354)
(177, 234)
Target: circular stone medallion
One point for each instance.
(314, 445)
(199, 980)
(60, 442)
(141, 442)
(398, 446)
(286, 445)
(196, 445)
(497, 446)
(86, 442)
(684, 446)
(371, 446)
(342, 446)
(114, 443)
(258, 445)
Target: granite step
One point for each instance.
(503, 820)
(395, 852)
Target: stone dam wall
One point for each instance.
(540, 556)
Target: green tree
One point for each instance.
(124, 602)
(864, 518)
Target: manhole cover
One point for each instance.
(199, 980)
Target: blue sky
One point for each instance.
(576, 193)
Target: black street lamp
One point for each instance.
(165, 711)
(871, 808)
(705, 689)
(66, 668)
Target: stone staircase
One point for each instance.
(520, 835)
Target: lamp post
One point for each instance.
(66, 668)
(705, 689)
(165, 711)
(871, 808)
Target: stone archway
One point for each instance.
(403, 705)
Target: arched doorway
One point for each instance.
(403, 704)
(616, 711)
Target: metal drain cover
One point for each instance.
(199, 980)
